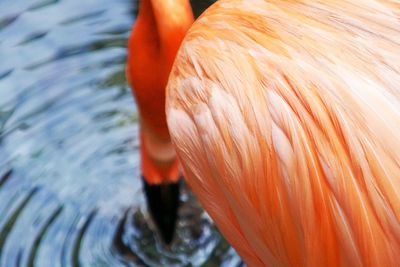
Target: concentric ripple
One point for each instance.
(70, 192)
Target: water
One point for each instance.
(70, 192)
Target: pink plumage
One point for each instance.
(286, 119)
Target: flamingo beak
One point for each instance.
(163, 203)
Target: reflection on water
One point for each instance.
(70, 193)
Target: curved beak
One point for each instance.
(163, 203)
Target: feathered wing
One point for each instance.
(286, 118)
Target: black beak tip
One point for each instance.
(163, 204)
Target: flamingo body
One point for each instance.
(286, 118)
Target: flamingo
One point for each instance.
(285, 116)
(156, 36)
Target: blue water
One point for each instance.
(70, 188)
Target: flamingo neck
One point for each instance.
(165, 23)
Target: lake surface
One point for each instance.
(70, 188)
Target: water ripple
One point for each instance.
(70, 188)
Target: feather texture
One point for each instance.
(286, 118)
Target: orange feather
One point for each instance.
(286, 118)
(155, 39)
